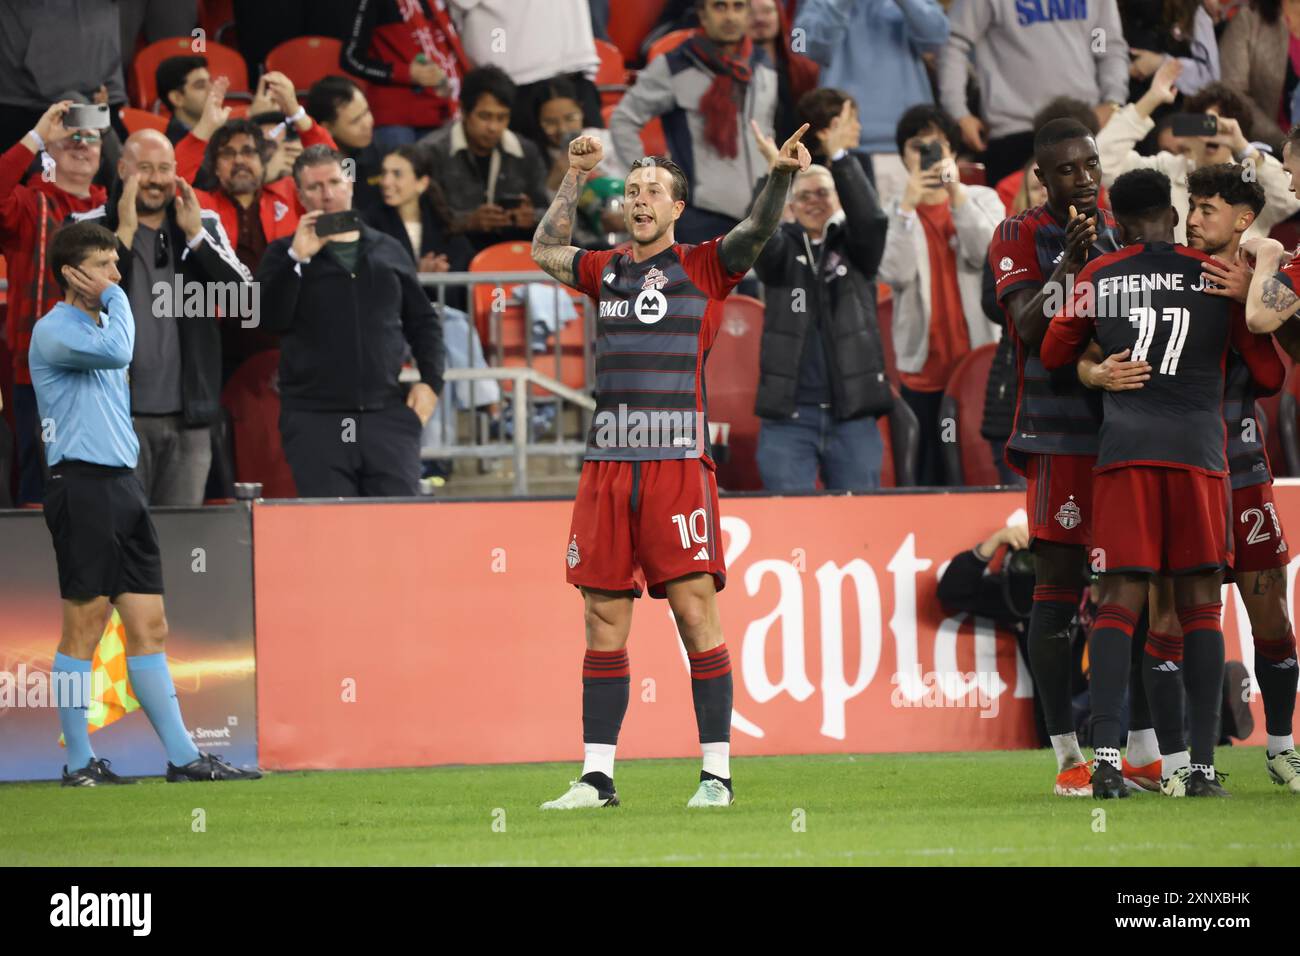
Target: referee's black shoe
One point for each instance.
(208, 767)
(93, 774)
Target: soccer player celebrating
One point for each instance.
(1034, 256)
(647, 502)
(1161, 492)
(104, 542)
(1224, 202)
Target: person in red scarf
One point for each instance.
(706, 90)
(30, 214)
(409, 53)
(769, 28)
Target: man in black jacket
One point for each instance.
(182, 278)
(822, 376)
(348, 304)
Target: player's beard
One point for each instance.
(659, 233)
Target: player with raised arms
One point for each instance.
(646, 511)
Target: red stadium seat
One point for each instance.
(611, 76)
(305, 60)
(669, 41)
(731, 384)
(217, 18)
(968, 460)
(252, 398)
(222, 61)
(629, 23)
(136, 120)
(508, 335)
(901, 434)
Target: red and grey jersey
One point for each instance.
(1247, 460)
(655, 324)
(1150, 299)
(1055, 415)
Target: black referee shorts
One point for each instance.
(104, 541)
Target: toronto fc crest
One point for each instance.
(573, 552)
(1069, 515)
(654, 279)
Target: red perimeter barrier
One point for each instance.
(410, 634)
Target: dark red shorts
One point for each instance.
(1059, 498)
(641, 523)
(1161, 520)
(1257, 530)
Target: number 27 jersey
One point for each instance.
(1150, 299)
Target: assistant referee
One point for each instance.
(104, 541)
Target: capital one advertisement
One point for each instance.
(207, 560)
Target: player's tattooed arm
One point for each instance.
(553, 247)
(1269, 302)
(740, 247)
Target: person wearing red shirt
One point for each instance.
(30, 214)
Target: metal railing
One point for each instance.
(523, 378)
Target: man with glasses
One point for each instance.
(170, 252)
(822, 381)
(30, 214)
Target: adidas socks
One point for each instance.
(1049, 656)
(1276, 672)
(1108, 656)
(1203, 664)
(711, 691)
(1162, 673)
(606, 679)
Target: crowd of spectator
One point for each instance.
(449, 122)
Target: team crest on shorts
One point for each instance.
(1069, 516)
(572, 557)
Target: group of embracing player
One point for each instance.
(1136, 427)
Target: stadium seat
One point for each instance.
(252, 399)
(629, 23)
(222, 61)
(217, 18)
(731, 386)
(968, 461)
(508, 337)
(669, 41)
(652, 134)
(134, 120)
(901, 434)
(972, 174)
(611, 76)
(305, 60)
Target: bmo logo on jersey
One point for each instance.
(650, 306)
(614, 308)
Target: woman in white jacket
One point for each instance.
(938, 239)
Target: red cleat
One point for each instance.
(1146, 777)
(1075, 781)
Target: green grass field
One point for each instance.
(932, 809)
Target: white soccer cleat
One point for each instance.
(1284, 769)
(1175, 785)
(581, 796)
(712, 793)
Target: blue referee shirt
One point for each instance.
(79, 372)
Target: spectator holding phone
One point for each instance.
(347, 429)
(30, 214)
(938, 239)
(409, 53)
(1219, 121)
(493, 178)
